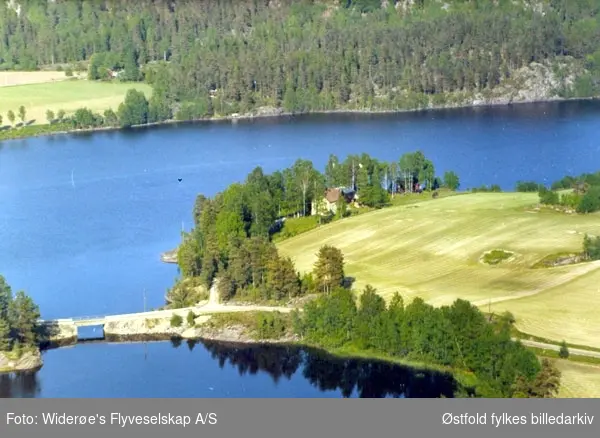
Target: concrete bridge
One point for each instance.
(67, 328)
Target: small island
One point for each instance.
(19, 333)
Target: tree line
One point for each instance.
(134, 110)
(306, 56)
(18, 320)
(459, 336)
(583, 193)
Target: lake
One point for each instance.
(84, 218)
(216, 369)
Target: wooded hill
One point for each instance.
(229, 57)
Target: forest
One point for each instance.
(220, 57)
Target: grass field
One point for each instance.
(579, 380)
(66, 95)
(12, 78)
(434, 250)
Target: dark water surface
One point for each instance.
(84, 218)
(214, 369)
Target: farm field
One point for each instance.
(433, 250)
(570, 312)
(579, 380)
(67, 95)
(12, 78)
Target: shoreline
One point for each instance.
(273, 113)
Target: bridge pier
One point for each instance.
(59, 332)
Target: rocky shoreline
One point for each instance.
(169, 256)
(161, 329)
(27, 361)
(534, 93)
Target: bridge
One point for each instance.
(88, 321)
(67, 328)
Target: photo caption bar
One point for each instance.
(301, 418)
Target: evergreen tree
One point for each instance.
(329, 268)
(23, 317)
(6, 298)
(5, 338)
(11, 117)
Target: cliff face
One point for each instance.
(29, 360)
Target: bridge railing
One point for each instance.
(74, 319)
(86, 318)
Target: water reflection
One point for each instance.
(352, 377)
(296, 366)
(19, 385)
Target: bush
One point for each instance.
(564, 351)
(191, 318)
(590, 202)
(570, 200)
(270, 325)
(527, 186)
(69, 72)
(591, 247)
(548, 197)
(496, 256)
(494, 188)
(176, 321)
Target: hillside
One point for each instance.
(434, 250)
(235, 57)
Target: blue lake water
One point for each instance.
(84, 218)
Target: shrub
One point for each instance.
(570, 200)
(496, 256)
(176, 321)
(69, 71)
(591, 247)
(564, 350)
(548, 197)
(191, 318)
(590, 202)
(270, 325)
(527, 186)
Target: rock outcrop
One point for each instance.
(29, 360)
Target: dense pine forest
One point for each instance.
(224, 57)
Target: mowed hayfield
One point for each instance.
(434, 249)
(578, 380)
(12, 78)
(67, 95)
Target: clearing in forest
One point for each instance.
(68, 95)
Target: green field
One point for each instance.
(67, 95)
(434, 249)
(579, 380)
